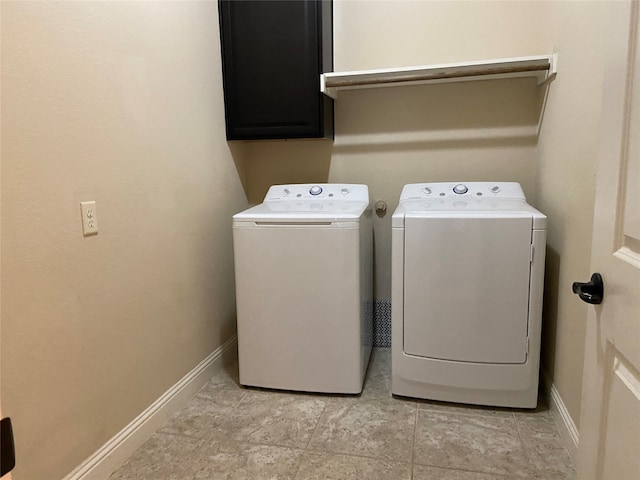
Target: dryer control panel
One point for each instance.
(318, 191)
(503, 190)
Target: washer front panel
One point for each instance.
(300, 307)
(466, 287)
(303, 271)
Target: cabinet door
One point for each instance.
(272, 56)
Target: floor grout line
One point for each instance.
(324, 408)
(466, 470)
(209, 442)
(522, 444)
(355, 455)
(413, 443)
(244, 395)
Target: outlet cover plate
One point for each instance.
(89, 218)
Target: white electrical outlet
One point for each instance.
(89, 218)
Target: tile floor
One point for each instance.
(232, 433)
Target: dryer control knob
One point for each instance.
(460, 189)
(315, 190)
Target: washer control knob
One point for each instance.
(315, 190)
(286, 191)
(460, 189)
(495, 189)
(344, 191)
(427, 190)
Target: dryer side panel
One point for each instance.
(466, 295)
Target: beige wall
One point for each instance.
(8, 475)
(122, 103)
(388, 137)
(468, 131)
(118, 102)
(565, 185)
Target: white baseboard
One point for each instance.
(567, 427)
(112, 454)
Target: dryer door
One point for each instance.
(466, 286)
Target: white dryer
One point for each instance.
(467, 282)
(304, 285)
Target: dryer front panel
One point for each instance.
(466, 287)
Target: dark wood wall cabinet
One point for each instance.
(273, 53)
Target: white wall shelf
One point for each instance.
(542, 67)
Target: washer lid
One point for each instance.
(309, 203)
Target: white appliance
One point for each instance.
(467, 280)
(304, 286)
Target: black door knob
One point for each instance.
(591, 292)
(7, 447)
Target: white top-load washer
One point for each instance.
(467, 282)
(304, 285)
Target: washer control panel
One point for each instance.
(462, 189)
(328, 191)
